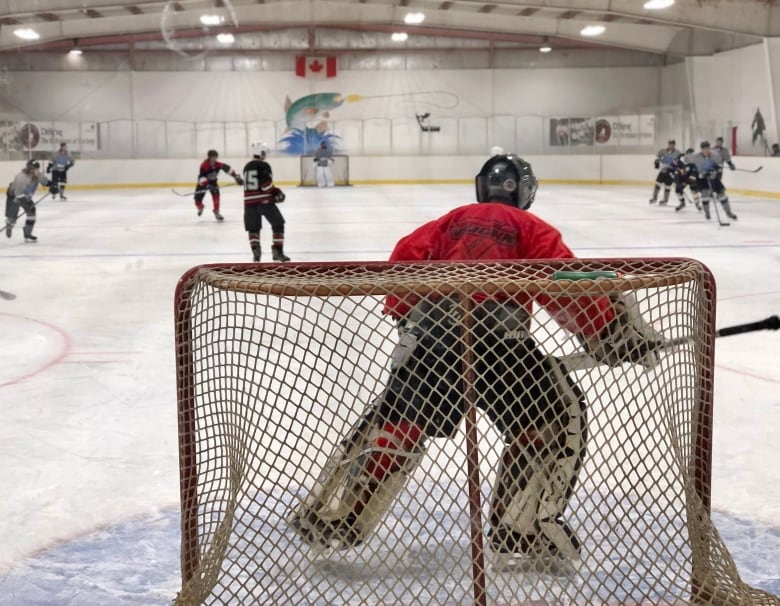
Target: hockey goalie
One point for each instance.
(536, 406)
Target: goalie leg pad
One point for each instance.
(358, 486)
(536, 478)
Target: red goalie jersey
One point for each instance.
(499, 232)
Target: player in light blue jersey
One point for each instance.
(665, 161)
(710, 170)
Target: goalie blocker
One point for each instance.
(537, 408)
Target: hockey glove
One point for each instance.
(657, 164)
(48, 168)
(278, 195)
(239, 180)
(731, 165)
(203, 182)
(624, 341)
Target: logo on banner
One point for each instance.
(315, 67)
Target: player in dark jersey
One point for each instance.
(208, 174)
(261, 198)
(686, 175)
(527, 394)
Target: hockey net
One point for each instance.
(276, 362)
(339, 169)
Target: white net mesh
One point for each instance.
(277, 365)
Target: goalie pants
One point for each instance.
(517, 386)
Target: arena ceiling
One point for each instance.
(689, 27)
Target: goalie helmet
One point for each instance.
(507, 179)
(259, 149)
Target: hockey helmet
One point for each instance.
(33, 164)
(507, 179)
(497, 150)
(259, 149)
(212, 153)
(689, 151)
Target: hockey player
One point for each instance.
(664, 164)
(710, 171)
(323, 159)
(20, 195)
(537, 408)
(208, 174)
(261, 198)
(686, 175)
(58, 167)
(724, 155)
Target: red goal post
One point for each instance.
(276, 362)
(339, 169)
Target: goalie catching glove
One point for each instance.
(628, 338)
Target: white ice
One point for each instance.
(87, 382)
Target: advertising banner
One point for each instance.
(47, 136)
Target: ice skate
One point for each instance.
(63, 197)
(30, 238)
(9, 228)
(680, 206)
(536, 552)
(326, 536)
(707, 212)
(256, 254)
(652, 201)
(200, 210)
(218, 216)
(278, 255)
(727, 207)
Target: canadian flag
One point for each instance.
(315, 67)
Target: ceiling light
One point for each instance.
(399, 36)
(414, 18)
(592, 30)
(653, 5)
(545, 47)
(211, 19)
(75, 52)
(26, 33)
(226, 38)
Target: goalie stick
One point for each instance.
(583, 361)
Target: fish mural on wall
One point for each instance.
(307, 121)
(307, 118)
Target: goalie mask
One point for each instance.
(507, 179)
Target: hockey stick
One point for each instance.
(715, 203)
(584, 361)
(747, 170)
(8, 296)
(192, 193)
